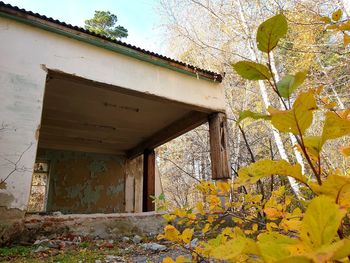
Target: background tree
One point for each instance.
(214, 34)
(104, 23)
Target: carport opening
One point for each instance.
(89, 131)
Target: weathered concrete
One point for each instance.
(11, 226)
(103, 226)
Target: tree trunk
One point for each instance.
(278, 140)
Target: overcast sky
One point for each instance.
(138, 16)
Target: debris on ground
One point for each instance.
(154, 247)
(136, 239)
(70, 248)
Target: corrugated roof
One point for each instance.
(29, 15)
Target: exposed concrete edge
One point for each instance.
(93, 216)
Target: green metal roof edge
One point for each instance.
(106, 45)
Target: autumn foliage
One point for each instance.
(282, 227)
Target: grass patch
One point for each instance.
(86, 253)
(15, 251)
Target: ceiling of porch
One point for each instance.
(82, 115)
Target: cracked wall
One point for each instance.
(84, 182)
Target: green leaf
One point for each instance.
(270, 32)
(229, 249)
(251, 70)
(343, 250)
(161, 196)
(254, 115)
(274, 246)
(321, 222)
(287, 85)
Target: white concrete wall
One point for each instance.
(25, 52)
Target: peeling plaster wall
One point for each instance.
(85, 182)
(20, 109)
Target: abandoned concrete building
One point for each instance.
(81, 115)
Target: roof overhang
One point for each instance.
(92, 38)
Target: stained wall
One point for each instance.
(85, 182)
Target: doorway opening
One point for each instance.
(39, 187)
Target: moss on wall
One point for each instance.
(84, 182)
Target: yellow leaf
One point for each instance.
(345, 151)
(229, 249)
(238, 221)
(336, 187)
(337, 15)
(182, 259)
(206, 187)
(297, 119)
(328, 103)
(328, 253)
(344, 114)
(180, 212)
(346, 39)
(200, 207)
(321, 222)
(274, 246)
(297, 212)
(206, 228)
(295, 259)
(325, 19)
(191, 216)
(345, 26)
(332, 27)
(171, 233)
(186, 235)
(228, 232)
(344, 196)
(313, 145)
(214, 201)
(262, 168)
(335, 127)
(251, 248)
(270, 226)
(272, 212)
(224, 187)
(211, 219)
(291, 225)
(168, 260)
(169, 217)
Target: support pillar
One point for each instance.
(149, 162)
(218, 147)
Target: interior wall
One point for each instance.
(84, 182)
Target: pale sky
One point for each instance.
(138, 16)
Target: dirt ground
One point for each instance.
(74, 249)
